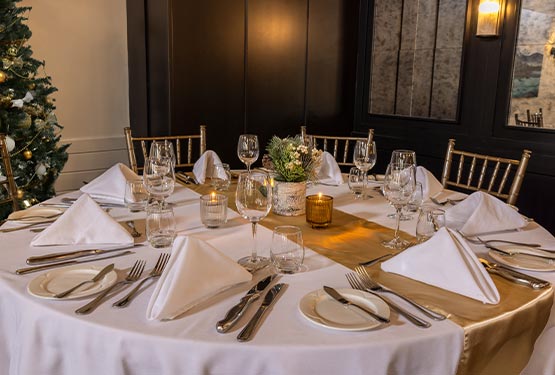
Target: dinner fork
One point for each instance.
(133, 275)
(355, 283)
(156, 272)
(371, 284)
(452, 202)
(478, 241)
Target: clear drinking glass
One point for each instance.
(403, 157)
(287, 249)
(248, 149)
(364, 157)
(356, 182)
(399, 184)
(253, 199)
(159, 149)
(136, 195)
(221, 177)
(415, 201)
(159, 177)
(160, 225)
(429, 221)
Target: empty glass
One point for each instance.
(430, 220)
(356, 182)
(159, 177)
(248, 149)
(415, 201)
(159, 149)
(403, 157)
(364, 157)
(136, 195)
(221, 177)
(160, 225)
(287, 249)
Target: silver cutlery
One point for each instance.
(355, 283)
(344, 301)
(512, 252)
(514, 276)
(133, 275)
(53, 257)
(70, 201)
(23, 271)
(134, 232)
(375, 260)
(478, 241)
(247, 332)
(156, 272)
(371, 284)
(237, 311)
(27, 217)
(95, 279)
(8, 230)
(452, 202)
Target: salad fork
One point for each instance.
(355, 283)
(156, 272)
(371, 284)
(133, 275)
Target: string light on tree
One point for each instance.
(3, 76)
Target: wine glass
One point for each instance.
(253, 199)
(159, 177)
(248, 149)
(398, 187)
(159, 149)
(403, 157)
(364, 158)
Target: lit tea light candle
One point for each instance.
(213, 210)
(318, 210)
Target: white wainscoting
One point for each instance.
(88, 158)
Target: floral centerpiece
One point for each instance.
(294, 163)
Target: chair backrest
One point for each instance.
(500, 177)
(183, 146)
(340, 147)
(8, 189)
(534, 120)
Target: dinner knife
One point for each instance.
(516, 252)
(514, 276)
(235, 313)
(339, 298)
(23, 271)
(54, 257)
(249, 329)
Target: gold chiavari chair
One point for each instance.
(340, 147)
(534, 120)
(183, 147)
(8, 192)
(500, 177)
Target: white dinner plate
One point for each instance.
(36, 214)
(321, 309)
(53, 282)
(523, 262)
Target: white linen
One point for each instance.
(83, 223)
(204, 166)
(110, 185)
(430, 184)
(447, 262)
(195, 272)
(329, 172)
(483, 213)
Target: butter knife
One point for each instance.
(339, 298)
(237, 311)
(23, 271)
(249, 329)
(54, 257)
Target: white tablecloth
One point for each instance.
(46, 337)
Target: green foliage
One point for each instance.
(293, 161)
(26, 110)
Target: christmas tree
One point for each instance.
(27, 111)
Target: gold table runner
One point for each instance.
(497, 338)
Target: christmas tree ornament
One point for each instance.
(12, 51)
(10, 93)
(26, 122)
(3, 76)
(40, 169)
(10, 143)
(6, 63)
(19, 194)
(31, 86)
(27, 154)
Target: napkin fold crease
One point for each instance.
(204, 166)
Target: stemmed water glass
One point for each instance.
(248, 149)
(405, 158)
(254, 201)
(159, 149)
(399, 185)
(159, 178)
(364, 157)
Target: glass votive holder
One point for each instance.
(213, 210)
(160, 225)
(318, 210)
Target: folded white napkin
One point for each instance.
(329, 172)
(430, 185)
(195, 272)
(483, 213)
(110, 185)
(204, 166)
(83, 223)
(446, 261)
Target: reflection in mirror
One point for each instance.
(533, 86)
(416, 58)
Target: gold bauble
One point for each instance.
(19, 194)
(3, 76)
(12, 51)
(27, 154)
(31, 86)
(26, 122)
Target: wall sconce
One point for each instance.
(488, 18)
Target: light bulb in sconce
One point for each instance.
(488, 18)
